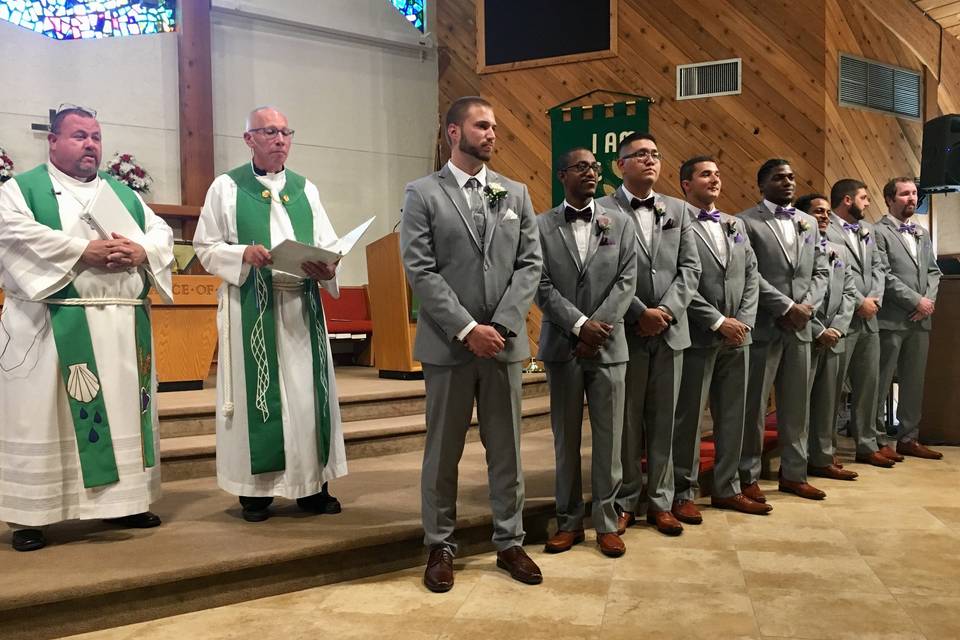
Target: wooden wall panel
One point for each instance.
(948, 95)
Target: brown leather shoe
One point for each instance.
(686, 511)
(665, 522)
(626, 519)
(611, 545)
(876, 459)
(917, 450)
(521, 568)
(833, 472)
(741, 503)
(439, 574)
(802, 489)
(753, 492)
(563, 541)
(887, 452)
(837, 463)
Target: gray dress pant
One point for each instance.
(784, 364)
(718, 375)
(860, 362)
(451, 392)
(653, 382)
(903, 353)
(825, 386)
(605, 388)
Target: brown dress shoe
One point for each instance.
(876, 459)
(837, 463)
(626, 519)
(917, 450)
(833, 472)
(753, 492)
(887, 452)
(665, 522)
(611, 545)
(686, 511)
(563, 541)
(802, 489)
(439, 574)
(741, 503)
(521, 568)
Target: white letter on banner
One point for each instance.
(594, 144)
(610, 143)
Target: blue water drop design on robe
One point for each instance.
(96, 417)
(93, 436)
(83, 414)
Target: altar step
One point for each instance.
(379, 418)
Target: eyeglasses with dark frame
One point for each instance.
(583, 166)
(273, 132)
(643, 154)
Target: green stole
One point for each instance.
(75, 352)
(260, 363)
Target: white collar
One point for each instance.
(462, 176)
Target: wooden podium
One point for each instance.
(185, 332)
(390, 303)
(938, 424)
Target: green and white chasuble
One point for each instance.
(278, 420)
(79, 437)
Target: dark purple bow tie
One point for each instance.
(784, 213)
(708, 216)
(646, 203)
(852, 227)
(570, 214)
(909, 227)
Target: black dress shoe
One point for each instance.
(28, 540)
(145, 520)
(321, 502)
(256, 509)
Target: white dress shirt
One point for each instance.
(788, 228)
(715, 229)
(908, 237)
(644, 215)
(461, 177)
(581, 235)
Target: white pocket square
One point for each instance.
(510, 215)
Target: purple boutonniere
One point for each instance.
(603, 230)
(835, 261)
(732, 231)
(865, 236)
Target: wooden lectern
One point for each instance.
(394, 328)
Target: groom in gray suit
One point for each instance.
(913, 278)
(722, 314)
(793, 278)
(472, 256)
(861, 357)
(668, 267)
(589, 278)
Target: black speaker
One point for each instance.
(940, 160)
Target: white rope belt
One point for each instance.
(96, 302)
(225, 354)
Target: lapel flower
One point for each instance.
(802, 226)
(603, 230)
(659, 210)
(835, 261)
(495, 192)
(865, 236)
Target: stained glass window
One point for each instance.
(76, 19)
(413, 10)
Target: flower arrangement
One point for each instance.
(495, 192)
(6, 166)
(124, 167)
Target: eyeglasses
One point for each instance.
(643, 154)
(583, 166)
(272, 132)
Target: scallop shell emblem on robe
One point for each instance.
(82, 384)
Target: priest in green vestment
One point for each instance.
(278, 421)
(78, 433)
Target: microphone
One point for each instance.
(398, 221)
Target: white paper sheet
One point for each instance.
(290, 254)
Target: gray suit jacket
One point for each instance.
(800, 277)
(668, 271)
(840, 298)
(725, 290)
(601, 288)
(868, 274)
(454, 281)
(907, 280)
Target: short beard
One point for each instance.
(856, 212)
(471, 150)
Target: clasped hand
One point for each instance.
(796, 318)
(733, 331)
(653, 322)
(593, 335)
(484, 341)
(115, 254)
(924, 309)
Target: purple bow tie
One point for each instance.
(784, 213)
(851, 227)
(909, 227)
(708, 216)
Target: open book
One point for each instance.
(290, 254)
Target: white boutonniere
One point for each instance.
(495, 192)
(865, 236)
(659, 211)
(803, 226)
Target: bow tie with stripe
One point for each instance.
(646, 203)
(909, 227)
(784, 213)
(852, 227)
(708, 216)
(570, 214)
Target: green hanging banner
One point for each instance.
(600, 128)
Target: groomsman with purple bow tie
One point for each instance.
(912, 279)
(793, 279)
(722, 314)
